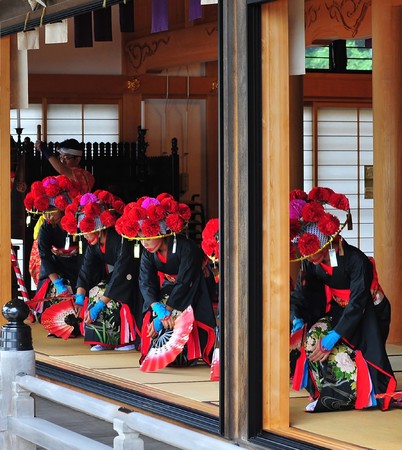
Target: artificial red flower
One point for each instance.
(208, 247)
(52, 190)
(41, 203)
(136, 213)
(29, 201)
(65, 183)
(294, 228)
(298, 194)
(108, 218)
(211, 229)
(87, 225)
(170, 204)
(69, 223)
(61, 202)
(150, 228)
(184, 211)
(118, 206)
(320, 194)
(131, 229)
(106, 197)
(308, 244)
(339, 201)
(312, 211)
(175, 223)
(92, 209)
(37, 188)
(163, 196)
(328, 224)
(156, 212)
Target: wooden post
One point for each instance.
(5, 221)
(275, 267)
(387, 107)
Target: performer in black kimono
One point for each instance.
(108, 275)
(171, 276)
(343, 361)
(58, 260)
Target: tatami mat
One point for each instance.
(370, 429)
(191, 386)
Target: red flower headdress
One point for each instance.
(312, 227)
(210, 240)
(54, 192)
(91, 212)
(153, 218)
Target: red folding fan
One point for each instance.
(169, 343)
(61, 318)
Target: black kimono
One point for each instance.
(180, 282)
(54, 258)
(343, 301)
(111, 270)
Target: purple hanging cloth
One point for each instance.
(194, 10)
(160, 15)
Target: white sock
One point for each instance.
(310, 407)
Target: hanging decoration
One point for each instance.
(194, 10)
(160, 16)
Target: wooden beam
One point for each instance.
(175, 48)
(114, 86)
(5, 210)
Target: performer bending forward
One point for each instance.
(171, 276)
(109, 274)
(343, 361)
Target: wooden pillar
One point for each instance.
(5, 214)
(234, 203)
(275, 211)
(387, 108)
(296, 143)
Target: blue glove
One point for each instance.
(328, 341)
(45, 150)
(297, 324)
(96, 309)
(160, 310)
(60, 286)
(79, 299)
(158, 326)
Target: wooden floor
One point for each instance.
(191, 387)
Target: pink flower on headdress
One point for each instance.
(88, 198)
(149, 201)
(295, 208)
(48, 181)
